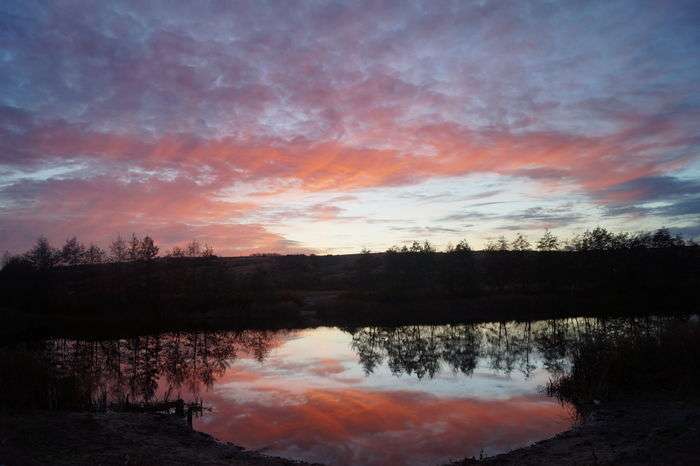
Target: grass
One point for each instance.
(661, 365)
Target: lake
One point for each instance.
(405, 395)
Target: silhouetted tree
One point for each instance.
(147, 249)
(43, 256)
(410, 270)
(177, 251)
(501, 244)
(641, 240)
(72, 252)
(520, 243)
(192, 249)
(94, 255)
(662, 239)
(118, 250)
(548, 242)
(134, 249)
(208, 251)
(619, 241)
(598, 239)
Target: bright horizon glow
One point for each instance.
(329, 127)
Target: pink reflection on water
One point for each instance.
(310, 400)
(351, 426)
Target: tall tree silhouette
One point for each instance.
(147, 249)
(43, 256)
(134, 248)
(72, 252)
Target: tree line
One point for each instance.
(646, 267)
(43, 256)
(597, 239)
(595, 260)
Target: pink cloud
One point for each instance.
(329, 98)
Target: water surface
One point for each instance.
(405, 395)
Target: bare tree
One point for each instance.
(192, 249)
(118, 250)
(208, 251)
(176, 251)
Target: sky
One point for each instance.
(328, 127)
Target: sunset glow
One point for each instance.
(328, 127)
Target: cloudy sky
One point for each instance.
(331, 126)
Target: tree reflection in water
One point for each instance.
(144, 368)
(149, 368)
(504, 346)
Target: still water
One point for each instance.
(405, 396)
(408, 395)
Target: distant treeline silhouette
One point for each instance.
(598, 259)
(76, 278)
(44, 256)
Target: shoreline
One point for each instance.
(332, 309)
(118, 439)
(619, 433)
(627, 433)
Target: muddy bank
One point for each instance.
(618, 433)
(124, 439)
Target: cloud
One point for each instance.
(672, 198)
(532, 218)
(426, 230)
(202, 102)
(100, 208)
(650, 188)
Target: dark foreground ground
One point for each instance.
(124, 439)
(617, 433)
(621, 434)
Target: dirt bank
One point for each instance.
(123, 439)
(620, 434)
